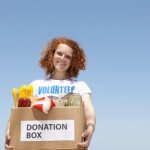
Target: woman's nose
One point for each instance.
(63, 57)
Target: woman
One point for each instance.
(62, 59)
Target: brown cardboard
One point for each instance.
(58, 113)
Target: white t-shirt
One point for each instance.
(50, 87)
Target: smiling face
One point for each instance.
(62, 58)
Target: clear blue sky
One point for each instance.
(115, 35)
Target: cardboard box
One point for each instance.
(61, 129)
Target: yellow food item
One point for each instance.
(29, 91)
(15, 96)
(23, 91)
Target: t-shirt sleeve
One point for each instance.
(83, 88)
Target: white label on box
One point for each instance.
(47, 130)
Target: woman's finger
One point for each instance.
(85, 134)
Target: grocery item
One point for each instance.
(15, 96)
(24, 102)
(69, 99)
(23, 96)
(44, 104)
(74, 100)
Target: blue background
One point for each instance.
(115, 35)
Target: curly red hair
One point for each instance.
(78, 58)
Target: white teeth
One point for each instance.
(60, 64)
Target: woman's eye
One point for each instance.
(59, 53)
(68, 57)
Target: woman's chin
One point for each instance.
(60, 68)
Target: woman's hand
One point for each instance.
(90, 121)
(87, 138)
(7, 138)
(7, 143)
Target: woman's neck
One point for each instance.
(59, 76)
